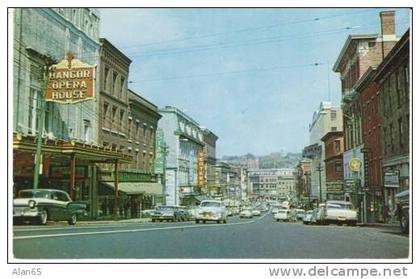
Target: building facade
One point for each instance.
(359, 53)
(393, 79)
(68, 144)
(334, 147)
(272, 184)
(327, 119)
(185, 141)
(209, 160)
(303, 182)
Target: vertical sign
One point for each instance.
(201, 168)
(160, 152)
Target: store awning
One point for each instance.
(138, 188)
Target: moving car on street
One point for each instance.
(282, 215)
(256, 212)
(300, 213)
(246, 213)
(307, 219)
(166, 212)
(211, 210)
(42, 205)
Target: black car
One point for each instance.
(168, 213)
(403, 210)
(42, 205)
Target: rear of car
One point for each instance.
(282, 215)
(245, 213)
(165, 213)
(339, 212)
(307, 219)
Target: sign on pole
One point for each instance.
(70, 81)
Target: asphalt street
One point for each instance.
(257, 238)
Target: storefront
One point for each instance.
(68, 166)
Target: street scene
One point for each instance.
(186, 133)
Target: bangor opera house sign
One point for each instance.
(70, 81)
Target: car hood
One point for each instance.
(24, 201)
(211, 208)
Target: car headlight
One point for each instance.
(31, 204)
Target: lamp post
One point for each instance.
(320, 169)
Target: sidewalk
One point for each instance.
(391, 224)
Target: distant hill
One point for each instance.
(273, 160)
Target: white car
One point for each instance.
(246, 213)
(256, 212)
(282, 215)
(307, 219)
(339, 212)
(300, 214)
(211, 210)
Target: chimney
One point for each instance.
(387, 23)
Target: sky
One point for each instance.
(252, 76)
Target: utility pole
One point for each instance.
(320, 169)
(41, 120)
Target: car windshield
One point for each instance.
(165, 208)
(34, 194)
(282, 211)
(210, 204)
(340, 206)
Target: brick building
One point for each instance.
(334, 147)
(371, 125)
(393, 79)
(358, 54)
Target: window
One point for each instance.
(397, 87)
(338, 167)
(400, 132)
(333, 115)
(333, 129)
(391, 134)
(104, 115)
(385, 148)
(114, 116)
(122, 126)
(33, 109)
(129, 128)
(87, 131)
(114, 84)
(337, 146)
(106, 78)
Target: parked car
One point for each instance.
(300, 213)
(246, 213)
(211, 210)
(282, 215)
(403, 210)
(191, 212)
(166, 212)
(338, 212)
(307, 219)
(42, 205)
(275, 209)
(316, 217)
(256, 212)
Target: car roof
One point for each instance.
(211, 201)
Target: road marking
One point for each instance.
(135, 230)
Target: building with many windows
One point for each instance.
(272, 184)
(185, 141)
(327, 119)
(393, 79)
(66, 132)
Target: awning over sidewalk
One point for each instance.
(137, 188)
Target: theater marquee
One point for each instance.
(71, 81)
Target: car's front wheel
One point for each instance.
(43, 217)
(73, 219)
